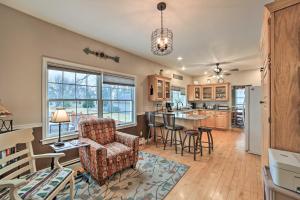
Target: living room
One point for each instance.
(149, 99)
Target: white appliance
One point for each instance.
(253, 123)
(285, 169)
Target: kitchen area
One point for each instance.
(219, 106)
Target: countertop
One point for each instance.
(182, 115)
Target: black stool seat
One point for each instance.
(175, 128)
(194, 135)
(156, 124)
(204, 129)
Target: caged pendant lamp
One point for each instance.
(161, 38)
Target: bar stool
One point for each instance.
(170, 125)
(153, 125)
(192, 134)
(210, 140)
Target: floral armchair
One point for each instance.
(110, 151)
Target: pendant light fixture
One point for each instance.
(161, 38)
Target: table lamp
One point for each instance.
(3, 111)
(60, 116)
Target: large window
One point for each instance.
(87, 94)
(178, 96)
(77, 92)
(118, 98)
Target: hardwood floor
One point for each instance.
(228, 173)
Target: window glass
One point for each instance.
(118, 103)
(80, 94)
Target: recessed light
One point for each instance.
(183, 68)
(205, 73)
(179, 58)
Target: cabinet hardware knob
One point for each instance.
(261, 102)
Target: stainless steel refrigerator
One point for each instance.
(253, 123)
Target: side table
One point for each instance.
(68, 145)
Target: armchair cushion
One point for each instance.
(40, 184)
(101, 130)
(128, 140)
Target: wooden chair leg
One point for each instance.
(72, 188)
(162, 135)
(155, 136)
(180, 138)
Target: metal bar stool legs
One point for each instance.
(209, 138)
(194, 136)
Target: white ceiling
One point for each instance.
(205, 31)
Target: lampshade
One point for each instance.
(3, 110)
(60, 116)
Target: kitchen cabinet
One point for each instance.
(211, 92)
(222, 120)
(221, 92)
(194, 92)
(280, 50)
(159, 88)
(216, 119)
(207, 93)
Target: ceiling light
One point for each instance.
(183, 68)
(179, 58)
(205, 73)
(161, 38)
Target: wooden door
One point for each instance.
(207, 93)
(191, 93)
(285, 87)
(266, 116)
(167, 90)
(221, 92)
(197, 93)
(160, 89)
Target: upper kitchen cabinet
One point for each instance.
(207, 92)
(222, 92)
(159, 88)
(194, 92)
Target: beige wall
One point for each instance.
(247, 77)
(24, 40)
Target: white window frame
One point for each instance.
(74, 66)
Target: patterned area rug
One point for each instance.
(153, 178)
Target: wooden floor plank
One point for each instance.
(228, 173)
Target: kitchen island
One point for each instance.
(194, 118)
(188, 120)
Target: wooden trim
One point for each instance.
(278, 5)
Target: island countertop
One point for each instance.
(184, 116)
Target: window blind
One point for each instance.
(182, 90)
(114, 79)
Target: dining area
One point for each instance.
(180, 130)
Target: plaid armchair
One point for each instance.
(110, 151)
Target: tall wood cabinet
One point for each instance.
(280, 53)
(159, 88)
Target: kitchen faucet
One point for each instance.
(177, 103)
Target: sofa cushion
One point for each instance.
(40, 184)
